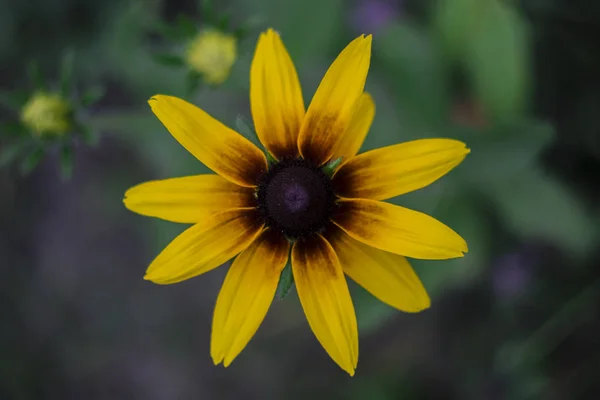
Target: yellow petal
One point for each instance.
(354, 137)
(187, 200)
(275, 96)
(332, 108)
(326, 301)
(398, 230)
(205, 246)
(246, 295)
(221, 149)
(394, 170)
(387, 276)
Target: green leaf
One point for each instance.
(10, 152)
(455, 22)
(536, 205)
(286, 282)
(169, 60)
(31, 160)
(66, 73)
(35, 75)
(92, 95)
(498, 61)
(502, 153)
(414, 71)
(66, 162)
(170, 32)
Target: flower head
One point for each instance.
(47, 114)
(212, 53)
(330, 221)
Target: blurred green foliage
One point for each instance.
(461, 69)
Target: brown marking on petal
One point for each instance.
(323, 134)
(348, 215)
(249, 167)
(347, 177)
(277, 244)
(314, 252)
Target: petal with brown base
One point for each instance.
(205, 246)
(398, 230)
(246, 295)
(326, 301)
(218, 147)
(275, 96)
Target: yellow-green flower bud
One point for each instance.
(212, 53)
(47, 114)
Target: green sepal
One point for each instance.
(223, 23)
(92, 95)
(331, 166)
(66, 73)
(31, 160)
(66, 161)
(207, 14)
(88, 135)
(186, 26)
(35, 75)
(193, 82)
(286, 282)
(169, 60)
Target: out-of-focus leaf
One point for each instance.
(186, 26)
(193, 82)
(497, 58)
(415, 72)
(92, 95)
(170, 60)
(536, 205)
(207, 12)
(502, 153)
(286, 281)
(89, 136)
(66, 73)
(304, 42)
(10, 152)
(66, 162)
(370, 312)
(463, 215)
(12, 129)
(35, 75)
(31, 160)
(455, 21)
(13, 100)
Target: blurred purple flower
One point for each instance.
(511, 274)
(372, 15)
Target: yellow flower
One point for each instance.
(47, 114)
(212, 53)
(331, 225)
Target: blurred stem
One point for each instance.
(559, 326)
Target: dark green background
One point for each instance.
(515, 319)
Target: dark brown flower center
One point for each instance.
(296, 198)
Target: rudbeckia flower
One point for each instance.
(328, 220)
